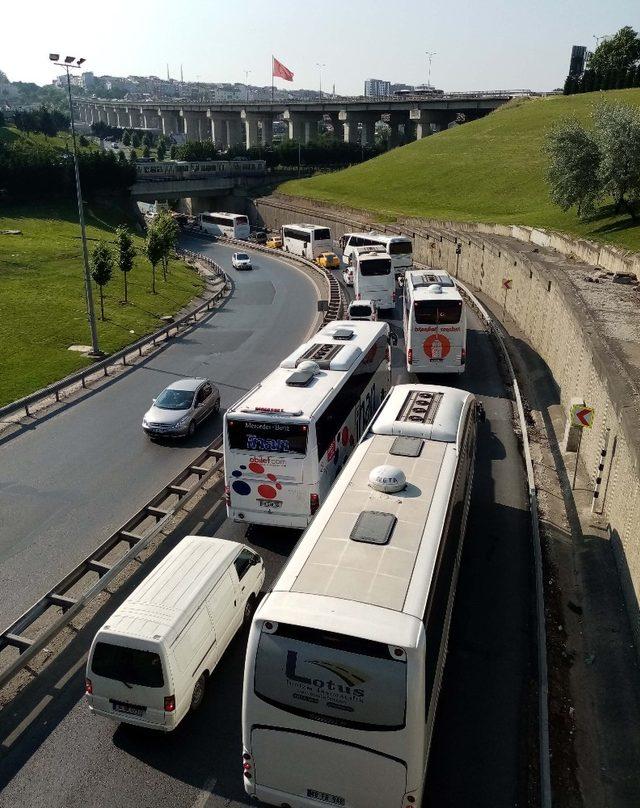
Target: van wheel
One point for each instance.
(198, 693)
(192, 429)
(249, 609)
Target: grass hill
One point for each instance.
(490, 170)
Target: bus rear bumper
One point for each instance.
(435, 367)
(269, 518)
(271, 796)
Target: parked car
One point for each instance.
(258, 236)
(329, 260)
(275, 242)
(180, 407)
(241, 261)
(362, 310)
(347, 276)
(149, 664)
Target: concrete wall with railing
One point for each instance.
(545, 305)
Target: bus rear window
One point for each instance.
(322, 234)
(267, 436)
(375, 266)
(432, 312)
(400, 248)
(331, 678)
(242, 220)
(131, 665)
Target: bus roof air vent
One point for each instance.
(406, 447)
(373, 527)
(320, 353)
(303, 374)
(435, 288)
(387, 479)
(420, 407)
(343, 333)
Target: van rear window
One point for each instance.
(130, 665)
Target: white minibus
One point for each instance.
(287, 438)
(346, 653)
(435, 323)
(399, 248)
(149, 664)
(306, 240)
(373, 277)
(228, 225)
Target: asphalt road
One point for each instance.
(69, 480)
(54, 753)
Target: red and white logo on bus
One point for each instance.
(437, 346)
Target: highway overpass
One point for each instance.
(251, 123)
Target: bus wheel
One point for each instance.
(198, 693)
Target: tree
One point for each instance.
(622, 50)
(617, 135)
(136, 140)
(133, 156)
(147, 140)
(83, 141)
(173, 151)
(126, 252)
(122, 157)
(162, 150)
(126, 138)
(167, 229)
(153, 249)
(572, 173)
(1, 118)
(588, 81)
(146, 151)
(101, 269)
(569, 85)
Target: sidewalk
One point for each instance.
(594, 681)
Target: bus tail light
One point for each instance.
(169, 704)
(88, 687)
(410, 356)
(463, 356)
(314, 503)
(246, 765)
(358, 296)
(227, 495)
(393, 296)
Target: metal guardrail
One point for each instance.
(103, 365)
(133, 534)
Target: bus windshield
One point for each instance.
(400, 248)
(432, 312)
(331, 678)
(267, 436)
(375, 266)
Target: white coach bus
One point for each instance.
(228, 225)
(398, 248)
(373, 277)
(435, 323)
(287, 438)
(306, 240)
(346, 653)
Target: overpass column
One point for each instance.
(134, 118)
(427, 121)
(235, 131)
(349, 126)
(112, 117)
(191, 124)
(395, 121)
(368, 131)
(267, 130)
(122, 118)
(218, 129)
(168, 122)
(251, 129)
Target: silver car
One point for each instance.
(180, 407)
(241, 261)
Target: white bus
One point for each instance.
(307, 240)
(346, 653)
(373, 277)
(398, 248)
(435, 323)
(229, 225)
(287, 438)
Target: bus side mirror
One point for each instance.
(481, 415)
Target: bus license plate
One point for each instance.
(322, 796)
(270, 503)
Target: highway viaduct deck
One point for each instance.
(251, 123)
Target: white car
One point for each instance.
(347, 276)
(241, 261)
(362, 310)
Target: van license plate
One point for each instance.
(270, 503)
(322, 796)
(128, 709)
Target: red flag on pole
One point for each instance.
(279, 70)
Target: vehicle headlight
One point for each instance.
(145, 422)
(182, 421)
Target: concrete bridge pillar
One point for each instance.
(122, 118)
(112, 118)
(349, 126)
(218, 125)
(192, 125)
(368, 131)
(151, 119)
(235, 131)
(395, 122)
(134, 118)
(266, 125)
(427, 121)
(168, 122)
(251, 129)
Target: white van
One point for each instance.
(149, 664)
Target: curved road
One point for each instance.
(54, 753)
(71, 479)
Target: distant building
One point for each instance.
(88, 80)
(578, 61)
(376, 88)
(401, 88)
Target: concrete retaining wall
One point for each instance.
(546, 307)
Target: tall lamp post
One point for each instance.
(320, 65)
(69, 62)
(430, 55)
(246, 81)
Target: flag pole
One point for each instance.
(272, 82)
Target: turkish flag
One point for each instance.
(278, 69)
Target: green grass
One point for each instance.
(42, 303)
(490, 170)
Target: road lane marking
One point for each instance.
(205, 793)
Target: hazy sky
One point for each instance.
(479, 44)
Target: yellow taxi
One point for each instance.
(275, 242)
(328, 260)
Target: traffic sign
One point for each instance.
(582, 416)
(506, 283)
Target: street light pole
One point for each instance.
(320, 66)
(95, 347)
(246, 81)
(430, 55)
